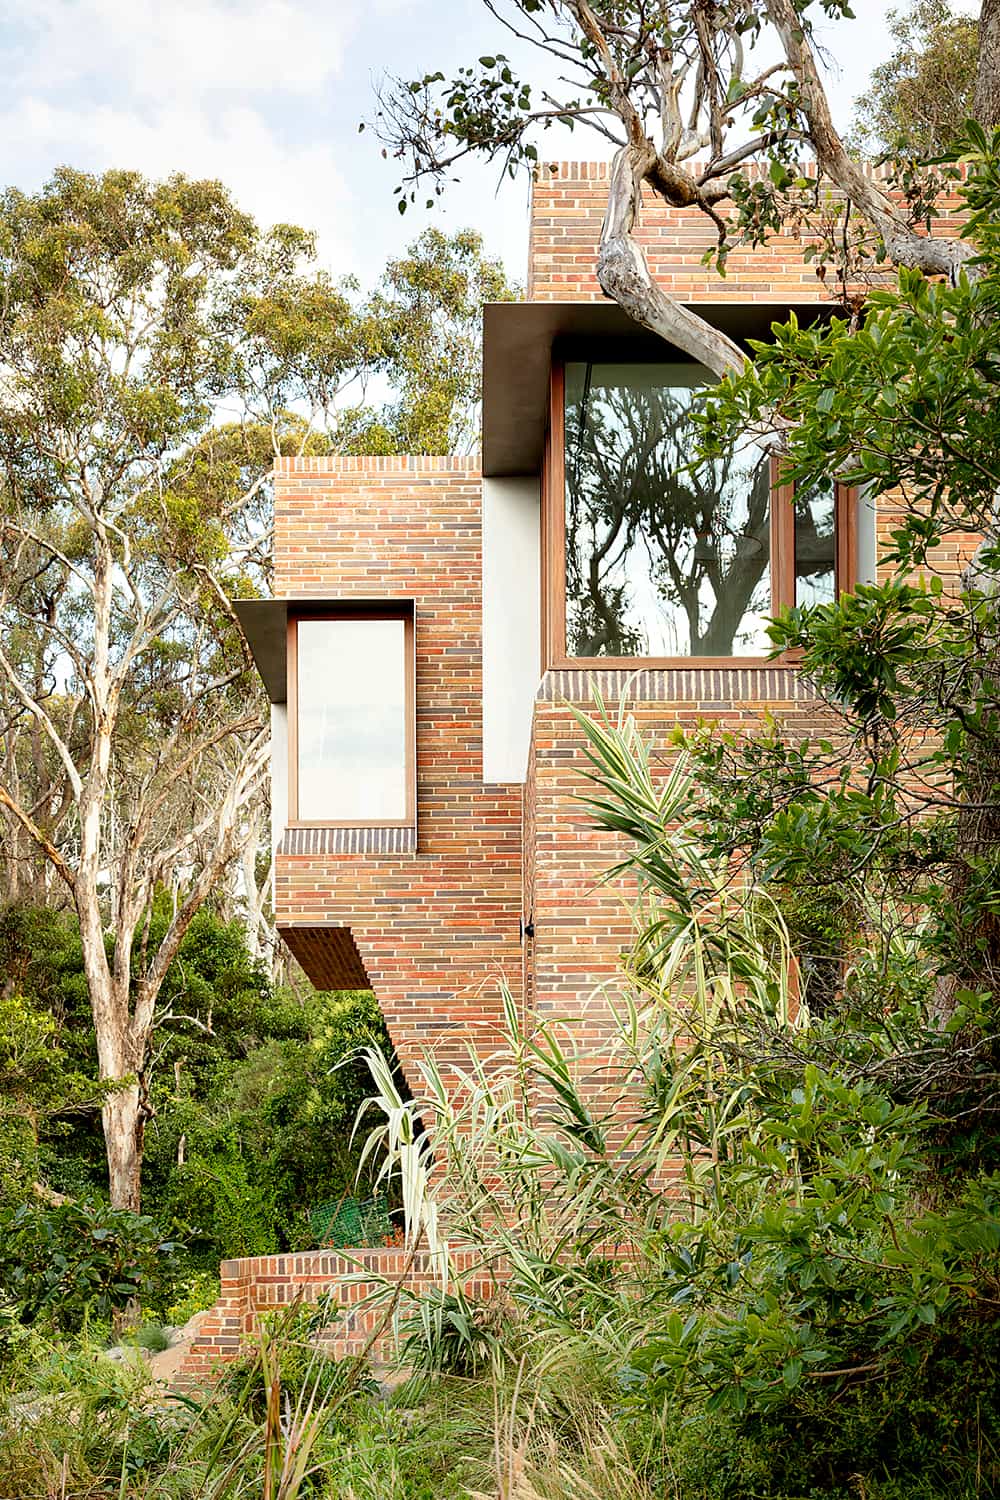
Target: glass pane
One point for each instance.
(815, 553)
(660, 561)
(352, 720)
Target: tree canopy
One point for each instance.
(918, 98)
(160, 350)
(677, 91)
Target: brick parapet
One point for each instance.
(348, 1281)
(568, 202)
(435, 919)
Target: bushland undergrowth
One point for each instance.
(776, 1233)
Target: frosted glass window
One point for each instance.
(661, 559)
(352, 728)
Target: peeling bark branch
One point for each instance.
(936, 256)
(30, 827)
(624, 274)
(42, 718)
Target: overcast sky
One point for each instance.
(267, 95)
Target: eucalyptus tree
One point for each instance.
(919, 97)
(688, 95)
(423, 329)
(159, 350)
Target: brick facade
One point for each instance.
(567, 208)
(431, 916)
(435, 925)
(582, 924)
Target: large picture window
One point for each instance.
(351, 721)
(652, 556)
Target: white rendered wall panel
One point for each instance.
(511, 624)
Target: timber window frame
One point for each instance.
(782, 562)
(389, 611)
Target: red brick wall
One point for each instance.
(583, 925)
(567, 209)
(347, 1280)
(435, 928)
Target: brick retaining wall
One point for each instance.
(268, 1283)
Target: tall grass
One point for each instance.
(564, 1167)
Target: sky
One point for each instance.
(267, 96)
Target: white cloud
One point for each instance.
(298, 183)
(241, 90)
(265, 95)
(160, 50)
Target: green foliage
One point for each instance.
(39, 1092)
(253, 1088)
(75, 1422)
(821, 1285)
(445, 1330)
(919, 96)
(891, 821)
(897, 402)
(192, 1294)
(305, 1367)
(152, 1337)
(65, 1262)
(423, 327)
(267, 1135)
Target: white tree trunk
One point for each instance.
(123, 1119)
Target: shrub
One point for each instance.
(72, 1261)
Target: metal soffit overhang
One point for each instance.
(518, 338)
(264, 623)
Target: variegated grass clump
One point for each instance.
(565, 1169)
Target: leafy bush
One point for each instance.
(288, 1345)
(39, 1088)
(152, 1337)
(267, 1137)
(253, 1092)
(192, 1294)
(815, 1283)
(451, 1332)
(65, 1263)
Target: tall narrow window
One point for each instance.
(351, 746)
(662, 558)
(815, 543)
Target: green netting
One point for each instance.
(351, 1222)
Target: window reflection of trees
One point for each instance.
(815, 555)
(659, 557)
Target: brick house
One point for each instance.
(434, 618)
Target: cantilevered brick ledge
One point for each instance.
(267, 1283)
